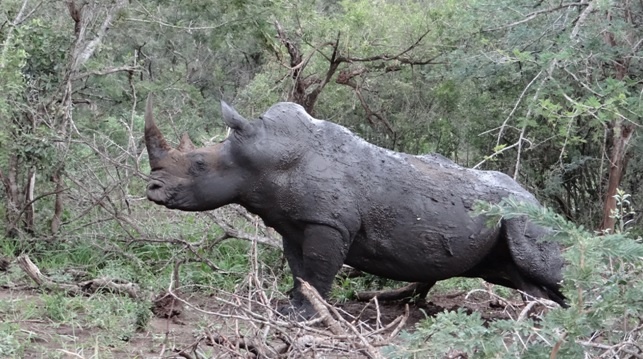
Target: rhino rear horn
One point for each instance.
(233, 119)
(186, 144)
(157, 147)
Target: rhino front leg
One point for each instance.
(321, 256)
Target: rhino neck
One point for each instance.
(267, 197)
(270, 215)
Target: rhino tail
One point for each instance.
(556, 295)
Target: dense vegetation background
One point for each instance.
(548, 92)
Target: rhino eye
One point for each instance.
(198, 166)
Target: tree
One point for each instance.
(578, 106)
(49, 93)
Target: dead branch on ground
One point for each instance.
(82, 288)
(248, 325)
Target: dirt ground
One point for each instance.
(171, 338)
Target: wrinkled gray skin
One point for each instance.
(337, 199)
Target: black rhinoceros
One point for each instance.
(337, 199)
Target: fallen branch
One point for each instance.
(109, 285)
(298, 339)
(320, 306)
(408, 292)
(323, 309)
(82, 288)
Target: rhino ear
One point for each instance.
(233, 119)
(186, 144)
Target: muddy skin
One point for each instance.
(337, 199)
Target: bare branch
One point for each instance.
(513, 110)
(519, 151)
(107, 71)
(494, 155)
(26, 17)
(189, 29)
(535, 14)
(306, 90)
(550, 70)
(637, 46)
(399, 57)
(18, 19)
(300, 93)
(581, 18)
(27, 205)
(231, 231)
(83, 51)
(346, 78)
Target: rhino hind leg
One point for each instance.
(410, 292)
(539, 263)
(530, 290)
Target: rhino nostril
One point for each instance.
(153, 186)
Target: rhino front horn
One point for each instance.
(156, 145)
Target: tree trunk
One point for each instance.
(58, 203)
(28, 209)
(12, 197)
(622, 133)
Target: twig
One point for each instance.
(525, 311)
(323, 309)
(231, 231)
(619, 346)
(494, 155)
(581, 19)
(513, 110)
(398, 57)
(107, 71)
(534, 14)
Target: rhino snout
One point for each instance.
(153, 186)
(155, 192)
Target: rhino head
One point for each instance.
(197, 179)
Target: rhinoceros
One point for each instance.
(337, 199)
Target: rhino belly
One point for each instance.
(422, 251)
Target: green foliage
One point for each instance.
(448, 330)
(498, 76)
(142, 315)
(10, 343)
(59, 309)
(601, 277)
(623, 211)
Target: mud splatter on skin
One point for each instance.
(336, 199)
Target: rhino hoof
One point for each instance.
(297, 313)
